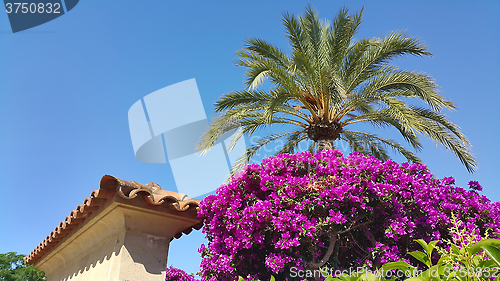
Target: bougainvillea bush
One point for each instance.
(176, 274)
(305, 211)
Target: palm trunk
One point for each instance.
(325, 144)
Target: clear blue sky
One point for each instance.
(66, 87)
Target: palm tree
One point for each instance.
(330, 82)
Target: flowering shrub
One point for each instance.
(306, 211)
(465, 256)
(175, 274)
(460, 259)
(475, 185)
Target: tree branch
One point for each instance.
(326, 257)
(357, 226)
(333, 240)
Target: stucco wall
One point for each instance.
(128, 240)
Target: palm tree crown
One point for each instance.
(329, 82)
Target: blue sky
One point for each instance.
(66, 87)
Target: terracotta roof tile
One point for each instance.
(109, 188)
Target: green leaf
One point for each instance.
(345, 278)
(443, 259)
(423, 244)
(396, 265)
(421, 257)
(455, 249)
(369, 276)
(493, 253)
(418, 278)
(424, 276)
(476, 261)
(486, 263)
(473, 249)
(432, 245)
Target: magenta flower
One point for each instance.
(282, 214)
(475, 185)
(175, 274)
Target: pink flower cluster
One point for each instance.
(283, 213)
(175, 274)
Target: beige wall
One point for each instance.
(123, 242)
(127, 256)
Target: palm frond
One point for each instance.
(375, 142)
(267, 50)
(312, 147)
(243, 97)
(245, 158)
(366, 145)
(442, 120)
(442, 135)
(260, 68)
(292, 142)
(342, 33)
(295, 33)
(407, 84)
(249, 118)
(327, 82)
(377, 53)
(386, 118)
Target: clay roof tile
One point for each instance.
(109, 188)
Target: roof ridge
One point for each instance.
(109, 187)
